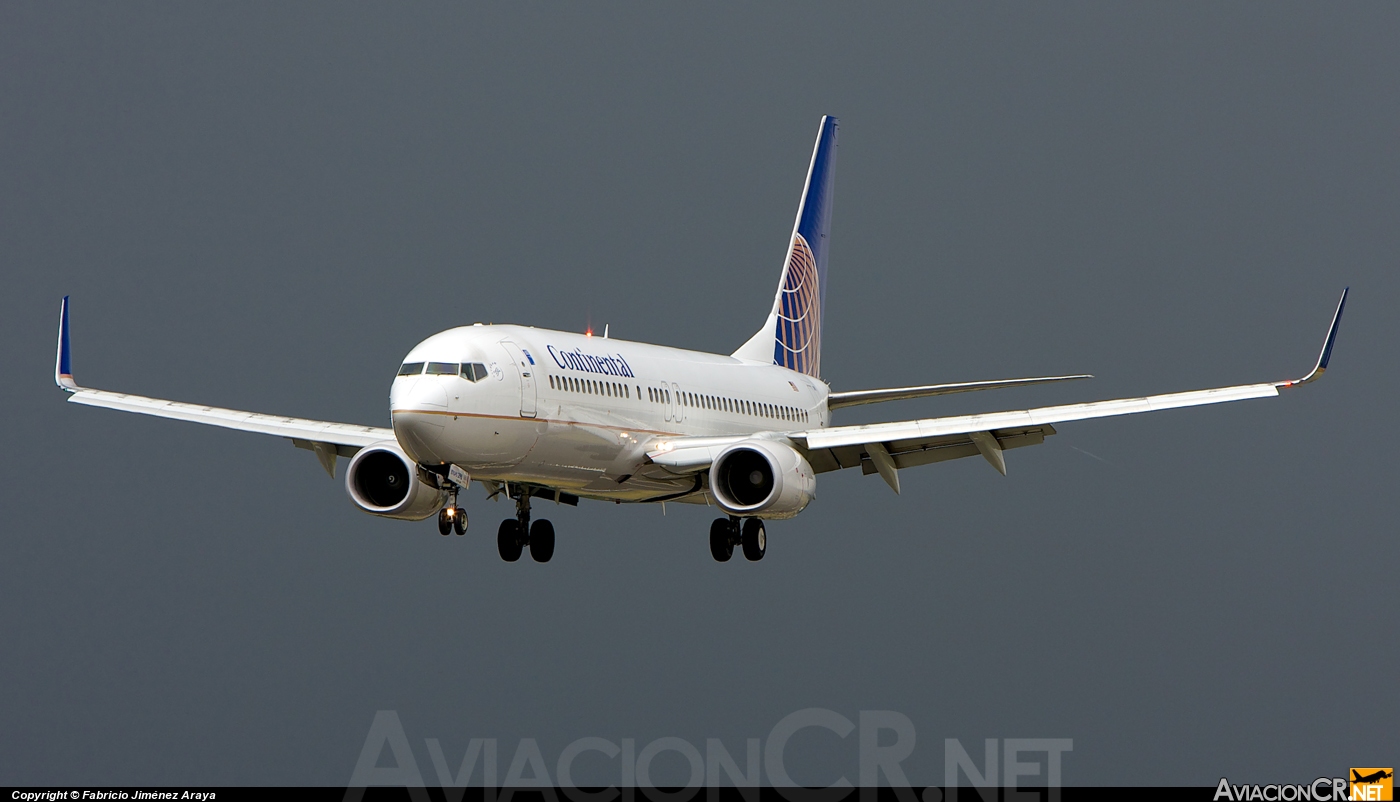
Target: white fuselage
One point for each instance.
(572, 412)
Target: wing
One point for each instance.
(327, 439)
(886, 447)
(856, 397)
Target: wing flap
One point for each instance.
(916, 451)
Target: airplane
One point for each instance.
(552, 415)
(1373, 777)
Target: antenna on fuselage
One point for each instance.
(605, 331)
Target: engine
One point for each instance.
(762, 478)
(383, 480)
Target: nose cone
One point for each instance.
(415, 404)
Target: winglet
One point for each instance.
(1326, 355)
(63, 367)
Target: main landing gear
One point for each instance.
(452, 518)
(726, 533)
(517, 533)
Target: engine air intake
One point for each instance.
(762, 478)
(383, 480)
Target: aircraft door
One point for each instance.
(677, 408)
(525, 366)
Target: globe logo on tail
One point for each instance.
(799, 313)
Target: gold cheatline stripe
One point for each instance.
(546, 420)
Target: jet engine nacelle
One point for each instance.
(762, 478)
(383, 480)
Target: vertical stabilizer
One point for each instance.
(792, 335)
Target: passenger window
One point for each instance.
(411, 369)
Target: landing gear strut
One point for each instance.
(517, 533)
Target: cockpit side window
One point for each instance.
(443, 368)
(411, 369)
(473, 371)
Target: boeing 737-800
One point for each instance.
(532, 413)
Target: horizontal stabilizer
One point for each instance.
(858, 397)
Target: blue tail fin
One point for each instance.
(792, 335)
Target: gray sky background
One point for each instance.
(265, 206)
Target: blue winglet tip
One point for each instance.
(63, 368)
(1332, 332)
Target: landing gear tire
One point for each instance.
(755, 540)
(459, 522)
(445, 521)
(508, 540)
(721, 540)
(541, 541)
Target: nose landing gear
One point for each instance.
(452, 518)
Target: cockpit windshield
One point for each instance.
(471, 371)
